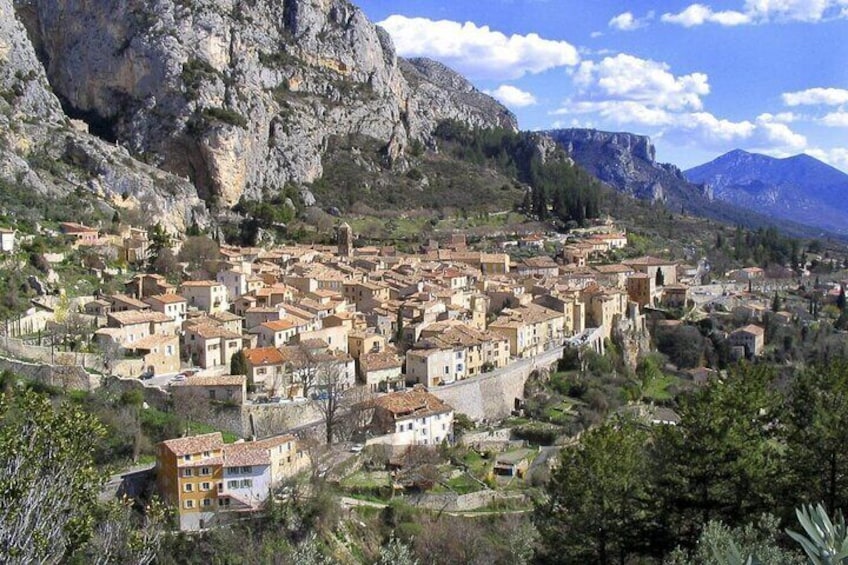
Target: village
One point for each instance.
(367, 348)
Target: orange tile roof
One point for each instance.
(278, 325)
(209, 331)
(195, 444)
(415, 403)
(263, 356)
(167, 298)
(201, 284)
(130, 317)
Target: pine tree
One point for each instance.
(775, 303)
(660, 278)
(840, 302)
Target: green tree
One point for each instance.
(816, 436)
(840, 301)
(660, 278)
(723, 460)
(775, 303)
(597, 507)
(238, 363)
(196, 250)
(48, 482)
(159, 240)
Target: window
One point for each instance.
(409, 426)
(246, 469)
(206, 454)
(232, 484)
(211, 394)
(205, 486)
(459, 355)
(188, 487)
(186, 472)
(246, 483)
(189, 504)
(207, 502)
(223, 502)
(187, 457)
(220, 486)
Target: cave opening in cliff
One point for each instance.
(99, 126)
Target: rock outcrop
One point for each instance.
(41, 150)
(239, 96)
(625, 161)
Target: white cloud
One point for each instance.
(782, 117)
(625, 77)
(478, 51)
(836, 156)
(699, 14)
(760, 12)
(626, 22)
(835, 119)
(694, 129)
(512, 96)
(771, 133)
(816, 96)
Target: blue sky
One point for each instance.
(767, 76)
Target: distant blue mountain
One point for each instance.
(800, 188)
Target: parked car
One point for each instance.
(357, 447)
(178, 378)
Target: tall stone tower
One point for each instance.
(345, 240)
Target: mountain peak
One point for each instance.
(799, 188)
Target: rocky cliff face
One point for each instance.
(41, 150)
(241, 96)
(623, 160)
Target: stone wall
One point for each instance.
(274, 419)
(493, 396)
(21, 350)
(70, 377)
(452, 502)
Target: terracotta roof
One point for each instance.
(612, 269)
(253, 452)
(138, 317)
(70, 227)
(277, 325)
(126, 299)
(167, 298)
(152, 341)
(209, 331)
(380, 361)
(225, 316)
(415, 403)
(648, 262)
(263, 356)
(195, 444)
(200, 284)
(751, 329)
(243, 454)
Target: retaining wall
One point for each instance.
(70, 377)
(493, 396)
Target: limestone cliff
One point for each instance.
(42, 151)
(625, 161)
(241, 96)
